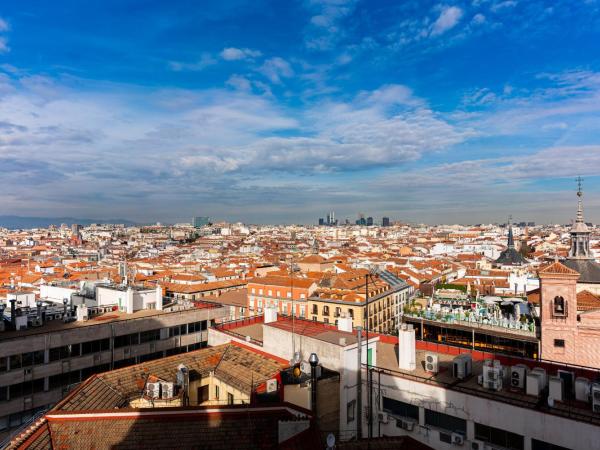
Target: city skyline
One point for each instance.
(434, 112)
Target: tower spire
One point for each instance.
(580, 235)
(511, 239)
(580, 202)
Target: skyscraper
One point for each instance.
(369, 221)
(199, 222)
(385, 222)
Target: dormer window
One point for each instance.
(560, 306)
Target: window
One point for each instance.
(445, 422)
(401, 409)
(350, 411)
(559, 306)
(217, 392)
(559, 343)
(351, 312)
(496, 436)
(229, 398)
(325, 310)
(315, 309)
(338, 312)
(541, 445)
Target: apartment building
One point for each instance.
(382, 314)
(288, 294)
(38, 366)
(441, 396)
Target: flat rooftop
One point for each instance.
(54, 326)
(253, 327)
(387, 359)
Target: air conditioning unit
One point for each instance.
(36, 322)
(458, 439)
(408, 425)
(480, 380)
(383, 417)
(543, 376)
(534, 384)
(583, 388)
(462, 366)
(477, 445)
(126, 351)
(153, 390)
(556, 388)
(492, 377)
(518, 374)
(431, 363)
(596, 397)
(272, 385)
(167, 390)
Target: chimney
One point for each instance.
(407, 359)
(13, 313)
(314, 361)
(129, 301)
(270, 314)
(39, 310)
(159, 297)
(345, 324)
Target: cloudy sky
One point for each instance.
(272, 111)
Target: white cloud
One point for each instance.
(478, 19)
(4, 26)
(206, 60)
(503, 5)
(275, 69)
(239, 82)
(448, 18)
(234, 54)
(4, 48)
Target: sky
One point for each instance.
(281, 111)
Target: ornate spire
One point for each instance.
(511, 239)
(579, 202)
(580, 235)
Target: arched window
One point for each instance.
(559, 306)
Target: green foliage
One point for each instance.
(459, 287)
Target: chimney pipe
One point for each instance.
(39, 309)
(13, 313)
(314, 361)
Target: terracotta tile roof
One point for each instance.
(557, 268)
(587, 301)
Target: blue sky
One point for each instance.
(270, 111)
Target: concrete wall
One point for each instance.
(523, 421)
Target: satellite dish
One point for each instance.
(330, 440)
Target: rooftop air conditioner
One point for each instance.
(556, 388)
(582, 389)
(167, 390)
(383, 417)
(517, 376)
(36, 322)
(534, 384)
(458, 439)
(461, 366)
(153, 390)
(477, 445)
(431, 363)
(408, 425)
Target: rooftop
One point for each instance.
(387, 361)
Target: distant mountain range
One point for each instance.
(18, 222)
